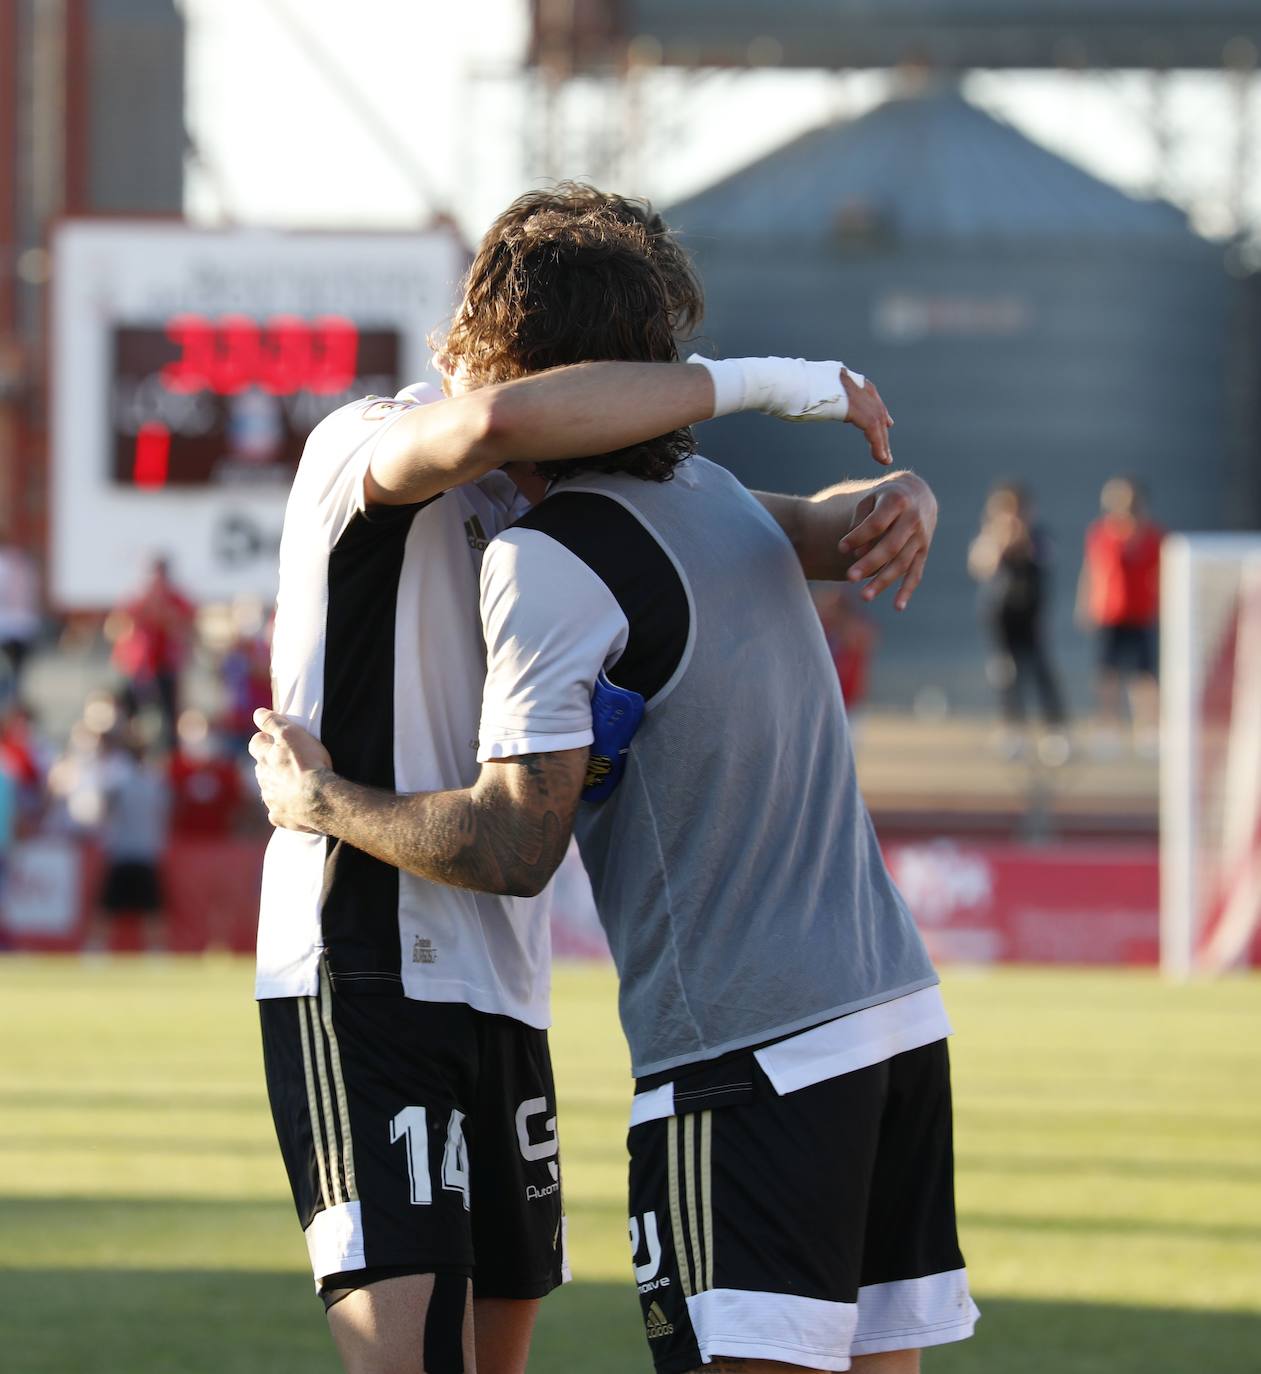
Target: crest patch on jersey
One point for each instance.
(378, 410)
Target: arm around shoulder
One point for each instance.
(569, 412)
(879, 530)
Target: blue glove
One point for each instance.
(615, 716)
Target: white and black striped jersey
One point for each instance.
(378, 650)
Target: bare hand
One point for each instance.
(286, 759)
(892, 537)
(868, 413)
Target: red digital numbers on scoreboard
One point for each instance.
(223, 400)
(283, 355)
(153, 456)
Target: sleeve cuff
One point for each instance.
(511, 748)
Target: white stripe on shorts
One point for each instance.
(334, 1240)
(909, 1314)
(772, 1326)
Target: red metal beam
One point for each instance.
(77, 109)
(8, 169)
(10, 351)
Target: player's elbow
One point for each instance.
(530, 879)
(525, 887)
(534, 866)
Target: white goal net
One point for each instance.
(1210, 779)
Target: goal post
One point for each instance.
(1210, 777)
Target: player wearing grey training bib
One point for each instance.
(791, 1200)
(783, 1016)
(735, 866)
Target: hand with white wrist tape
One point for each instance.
(801, 390)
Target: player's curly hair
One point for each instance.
(575, 275)
(686, 298)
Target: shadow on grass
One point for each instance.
(79, 1321)
(1084, 1166)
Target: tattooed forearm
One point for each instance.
(512, 852)
(506, 834)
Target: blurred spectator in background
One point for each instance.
(246, 670)
(19, 617)
(152, 637)
(134, 832)
(206, 791)
(850, 635)
(76, 780)
(25, 756)
(8, 833)
(1118, 595)
(209, 803)
(1010, 559)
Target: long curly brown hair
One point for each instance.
(576, 275)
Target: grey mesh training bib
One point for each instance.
(735, 867)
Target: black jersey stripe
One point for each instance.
(619, 549)
(360, 894)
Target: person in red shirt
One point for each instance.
(245, 670)
(851, 639)
(1118, 595)
(152, 636)
(23, 756)
(206, 791)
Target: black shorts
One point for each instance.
(418, 1137)
(803, 1228)
(1131, 647)
(131, 886)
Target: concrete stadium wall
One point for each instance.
(1057, 365)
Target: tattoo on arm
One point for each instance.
(514, 836)
(506, 834)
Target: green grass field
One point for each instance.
(1109, 1169)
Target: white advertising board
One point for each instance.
(42, 892)
(187, 368)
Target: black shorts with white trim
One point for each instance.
(418, 1137)
(804, 1228)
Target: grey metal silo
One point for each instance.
(1022, 318)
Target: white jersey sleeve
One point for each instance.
(336, 457)
(551, 625)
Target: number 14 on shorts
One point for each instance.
(412, 1126)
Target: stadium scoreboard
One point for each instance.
(198, 401)
(188, 368)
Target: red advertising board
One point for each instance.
(975, 903)
(1064, 904)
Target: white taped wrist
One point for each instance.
(790, 388)
(728, 382)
